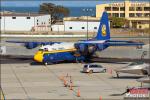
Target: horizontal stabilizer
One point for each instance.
(124, 43)
(121, 41)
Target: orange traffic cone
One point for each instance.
(65, 83)
(78, 93)
(110, 71)
(71, 86)
(100, 98)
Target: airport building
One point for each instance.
(15, 22)
(137, 13)
(77, 24)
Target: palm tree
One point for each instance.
(57, 12)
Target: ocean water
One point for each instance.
(74, 11)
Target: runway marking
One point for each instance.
(96, 76)
(108, 83)
(74, 92)
(20, 82)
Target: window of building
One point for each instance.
(131, 15)
(37, 23)
(13, 17)
(131, 8)
(70, 27)
(122, 14)
(115, 8)
(44, 23)
(83, 27)
(138, 14)
(109, 14)
(147, 15)
(115, 14)
(28, 17)
(0, 17)
(95, 27)
(146, 8)
(37, 20)
(108, 8)
(138, 8)
(122, 8)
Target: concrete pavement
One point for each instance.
(23, 81)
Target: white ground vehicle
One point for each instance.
(91, 68)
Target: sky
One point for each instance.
(66, 3)
(36, 3)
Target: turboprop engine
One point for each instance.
(86, 49)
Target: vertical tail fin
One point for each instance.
(104, 30)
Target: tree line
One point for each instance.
(57, 13)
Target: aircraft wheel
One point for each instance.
(104, 70)
(55, 63)
(45, 63)
(117, 74)
(139, 47)
(81, 61)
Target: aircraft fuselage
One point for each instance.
(58, 52)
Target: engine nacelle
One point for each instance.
(101, 47)
(86, 49)
(92, 48)
(31, 45)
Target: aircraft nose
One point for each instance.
(38, 57)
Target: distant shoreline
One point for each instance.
(74, 11)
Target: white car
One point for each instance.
(91, 68)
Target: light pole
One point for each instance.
(4, 21)
(87, 10)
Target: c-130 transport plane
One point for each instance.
(53, 52)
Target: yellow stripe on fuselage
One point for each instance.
(58, 51)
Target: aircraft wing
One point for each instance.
(31, 44)
(120, 41)
(123, 43)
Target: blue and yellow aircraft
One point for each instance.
(52, 52)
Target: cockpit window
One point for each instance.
(45, 49)
(40, 49)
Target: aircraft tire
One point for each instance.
(104, 70)
(45, 63)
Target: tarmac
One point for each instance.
(22, 80)
(25, 81)
(113, 52)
